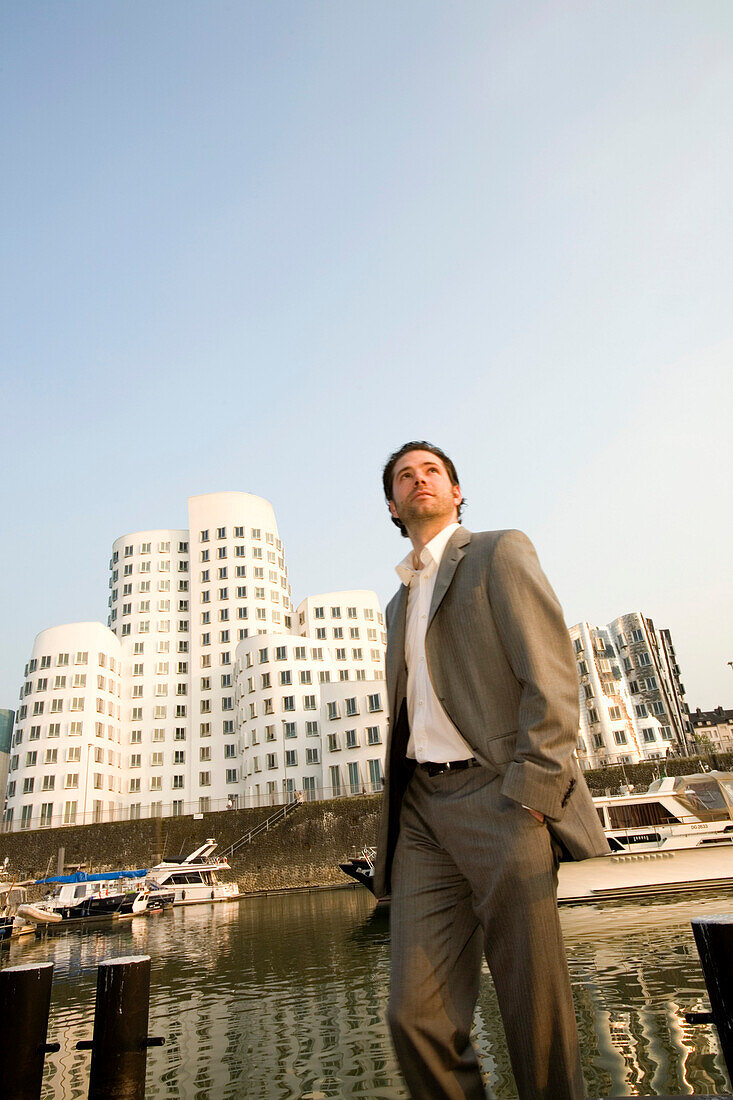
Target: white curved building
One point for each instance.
(205, 690)
(304, 729)
(278, 697)
(352, 625)
(67, 765)
(180, 602)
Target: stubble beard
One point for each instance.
(417, 512)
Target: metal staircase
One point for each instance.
(274, 819)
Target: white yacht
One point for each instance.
(677, 835)
(196, 878)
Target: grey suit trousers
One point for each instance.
(475, 873)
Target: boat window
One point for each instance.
(727, 785)
(704, 797)
(634, 814)
(80, 891)
(599, 811)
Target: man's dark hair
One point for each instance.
(388, 473)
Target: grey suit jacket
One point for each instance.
(501, 663)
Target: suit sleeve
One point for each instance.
(538, 647)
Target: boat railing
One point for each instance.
(274, 819)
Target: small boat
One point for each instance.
(196, 878)
(13, 922)
(676, 836)
(84, 897)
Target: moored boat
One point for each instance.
(85, 897)
(196, 878)
(677, 835)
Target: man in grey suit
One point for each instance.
(482, 794)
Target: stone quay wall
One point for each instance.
(302, 851)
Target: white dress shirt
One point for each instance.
(432, 734)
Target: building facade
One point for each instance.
(7, 721)
(713, 730)
(632, 705)
(68, 762)
(172, 708)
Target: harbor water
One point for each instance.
(284, 997)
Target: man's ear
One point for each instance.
(392, 509)
(457, 495)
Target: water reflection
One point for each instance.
(284, 997)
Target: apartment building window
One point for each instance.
(352, 739)
(641, 711)
(614, 713)
(300, 655)
(643, 660)
(619, 737)
(354, 777)
(375, 774)
(374, 737)
(28, 786)
(46, 814)
(290, 729)
(69, 813)
(312, 756)
(49, 783)
(375, 702)
(288, 702)
(271, 761)
(648, 734)
(178, 781)
(71, 780)
(135, 760)
(309, 702)
(291, 758)
(204, 779)
(286, 678)
(637, 636)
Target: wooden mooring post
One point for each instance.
(120, 1041)
(714, 940)
(25, 998)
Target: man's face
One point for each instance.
(422, 490)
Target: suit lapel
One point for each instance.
(448, 565)
(396, 646)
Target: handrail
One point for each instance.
(274, 819)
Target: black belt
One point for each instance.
(448, 766)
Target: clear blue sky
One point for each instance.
(257, 246)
